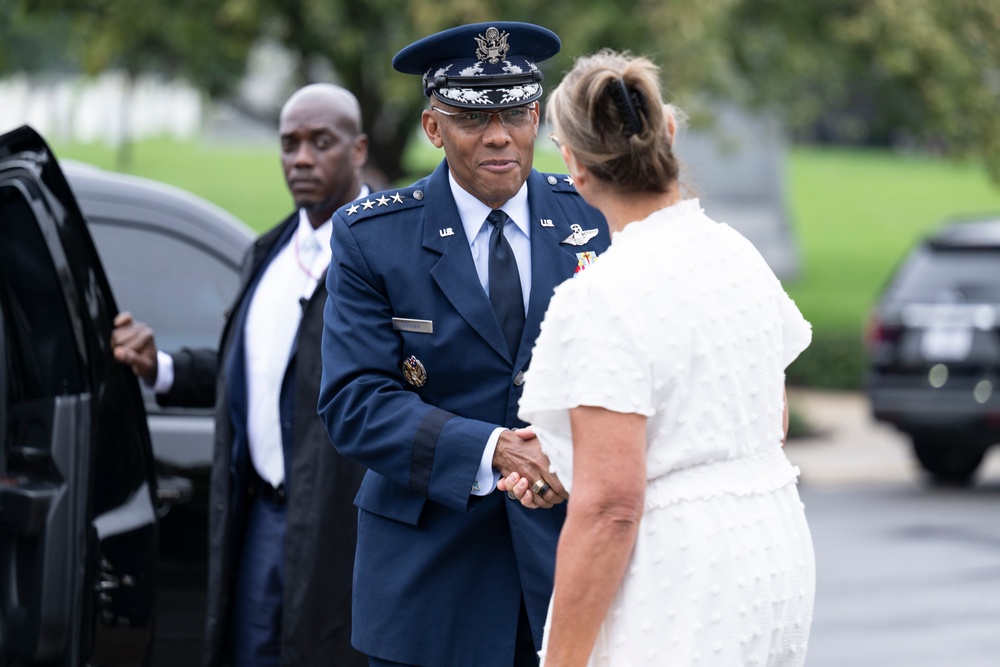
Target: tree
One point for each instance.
(853, 70)
(203, 41)
(927, 70)
(357, 41)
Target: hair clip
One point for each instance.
(630, 105)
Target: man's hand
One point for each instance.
(133, 344)
(523, 467)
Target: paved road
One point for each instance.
(908, 574)
(851, 449)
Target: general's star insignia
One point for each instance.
(353, 209)
(398, 198)
(579, 235)
(367, 204)
(383, 201)
(568, 180)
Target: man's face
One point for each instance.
(491, 163)
(320, 155)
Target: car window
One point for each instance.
(45, 346)
(177, 286)
(971, 275)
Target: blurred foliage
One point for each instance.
(204, 41)
(926, 72)
(922, 72)
(26, 42)
(834, 360)
(357, 42)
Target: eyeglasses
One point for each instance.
(555, 140)
(478, 120)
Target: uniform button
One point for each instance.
(418, 194)
(519, 379)
(552, 180)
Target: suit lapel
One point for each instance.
(551, 263)
(455, 271)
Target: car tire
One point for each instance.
(948, 459)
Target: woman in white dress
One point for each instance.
(657, 391)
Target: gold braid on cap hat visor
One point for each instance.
(483, 81)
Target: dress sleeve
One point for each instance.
(796, 330)
(589, 352)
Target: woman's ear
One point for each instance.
(671, 123)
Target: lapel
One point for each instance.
(455, 271)
(261, 249)
(551, 263)
(232, 336)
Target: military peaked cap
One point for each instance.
(481, 65)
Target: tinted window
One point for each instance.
(180, 288)
(45, 344)
(931, 274)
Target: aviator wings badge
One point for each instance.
(580, 236)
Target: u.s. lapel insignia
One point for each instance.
(585, 259)
(447, 231)
(546, 222)
(580, 236)
(414, 371)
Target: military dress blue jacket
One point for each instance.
(439, 573)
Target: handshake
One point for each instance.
(524, 470)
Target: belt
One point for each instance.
(264, 491)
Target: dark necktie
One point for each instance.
(505, 283)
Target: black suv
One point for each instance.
(103, 494)
(934, 348)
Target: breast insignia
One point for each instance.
(414, 371)
(580, 236)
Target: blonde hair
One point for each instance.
(608, 111)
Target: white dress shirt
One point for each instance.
(272, 323)
(477, 229)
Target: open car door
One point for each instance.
(77, 517)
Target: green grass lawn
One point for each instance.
(854, 212)
(245, 180)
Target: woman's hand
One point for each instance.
(543, 493)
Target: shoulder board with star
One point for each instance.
(560, 182)
(379, 203)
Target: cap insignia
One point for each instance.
(493, 46)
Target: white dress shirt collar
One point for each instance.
(473, 212)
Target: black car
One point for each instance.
(102, 527)
(934, 348)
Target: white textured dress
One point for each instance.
(682, 321)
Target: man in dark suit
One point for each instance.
(282, 524)
(437, 292)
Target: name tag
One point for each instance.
(413, 326)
